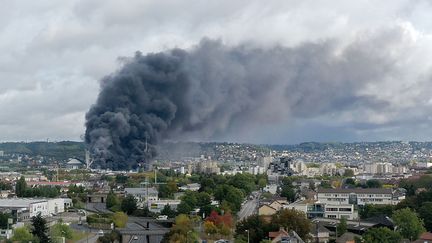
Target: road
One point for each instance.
(249, 208)
(91, 239)
(97, 207)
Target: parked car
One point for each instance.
(162, 217)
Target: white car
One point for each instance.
(162, 217)
(100, 233)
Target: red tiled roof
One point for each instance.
(277, 233)
(50, 183)
(426, 236)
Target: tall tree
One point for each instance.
(21, 187)
(425, 213)
(409, 225)
(288, 192)
(112, 200)
(342, 226)
(168, 211)
(40, 229)
(129, 205)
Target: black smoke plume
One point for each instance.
(213, 88)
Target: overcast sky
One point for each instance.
(53, 54)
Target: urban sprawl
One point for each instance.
(220, 192)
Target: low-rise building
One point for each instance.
(360, 196)
(143, 196)
(157, 206)
(25, 208)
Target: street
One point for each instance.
(249, 207)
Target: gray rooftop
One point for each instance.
(356, 190)
(140, 190)
(19, 202)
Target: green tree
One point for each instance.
(348, 173)
(61, 230)
(207, 185)
(229, 196)
(371, 210)
(112, 200)
(182, 231)
(22, 234)
(121, 179)
(381, 235)
(244, 182)
(5, 185)
(257, 227)
(409, 225)
(4, 220)
(373, 184)
(288, 192)
(120, 219)
(342, 226)
(168, 211)
(262, 183)
(129, 204)
(21, 187)
(293, 219)
(425, 213)
(350, 181)
(40, 229)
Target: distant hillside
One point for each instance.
(58, 150)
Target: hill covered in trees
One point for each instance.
(58, 150)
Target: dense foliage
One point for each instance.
(259, 227)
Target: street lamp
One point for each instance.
(248, 235)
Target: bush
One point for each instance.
(120, 219)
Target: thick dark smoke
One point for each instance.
(213, 88)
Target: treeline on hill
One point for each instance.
(318, 147)
(58, 150)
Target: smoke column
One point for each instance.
(212, 88)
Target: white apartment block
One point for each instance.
(328, 169)
(335, 211)
(383, 168)
(25, 208)
(360, 196)
(316, 209)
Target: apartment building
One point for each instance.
(317, 209)
(360, 196)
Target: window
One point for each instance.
(331, 216)
(331, 209)
(345, 209)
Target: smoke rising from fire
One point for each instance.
(213, 88)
